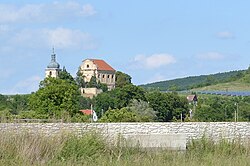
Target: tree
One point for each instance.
(122, 79)
(167, 105)
(3, 102)
(55, 98)
(120, 115)
(64, 75)
(18, 103)
(125, 94)
(103, 102)
(80, 79)
(143, 110)
(92, 83)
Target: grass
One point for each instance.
(92, 149)
(230, 86)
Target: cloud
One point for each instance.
(214, 56)
(44, 12)
(26, 86)
(225, 35)
(61, 38)
(88, 10)
(154, 61)
(11, 13)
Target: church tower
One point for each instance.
(53, 67)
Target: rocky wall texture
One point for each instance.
(191, 130)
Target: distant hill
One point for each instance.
(193, 82)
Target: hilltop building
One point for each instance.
(53, 67)
(103, 72)
(89, 68)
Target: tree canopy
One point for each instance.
(55, 98)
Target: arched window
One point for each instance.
(87, 65)
(50, 73)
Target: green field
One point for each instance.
(92, 149)
(230, 86)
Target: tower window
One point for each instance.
(50, 73)
(87, 66)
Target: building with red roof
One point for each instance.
(98, 68)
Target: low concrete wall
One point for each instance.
(155, 141)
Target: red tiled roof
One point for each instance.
(86, 112)
(190, 97)
(102, 65)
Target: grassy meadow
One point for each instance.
(92, 149)
(229, 86)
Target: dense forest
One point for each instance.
(195, 81)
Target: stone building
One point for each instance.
(53, 67)
(99, 69)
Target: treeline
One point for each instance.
(195, 81)
(60, 98)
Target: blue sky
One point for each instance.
(149, 40)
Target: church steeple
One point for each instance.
(53, 67)
(53, 63)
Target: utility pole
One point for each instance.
(236, 113)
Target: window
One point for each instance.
(87, 66)
(50, 73)
(103, 76)
(108, 76)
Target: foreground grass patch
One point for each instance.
(92, 149)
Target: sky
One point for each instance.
(149, 40)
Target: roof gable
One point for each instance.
(102, 65)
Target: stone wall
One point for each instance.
(191, 130)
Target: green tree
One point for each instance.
(103, 102)
(122, 79)
(120, 115)
(167, 105)
(92, 83)
(18, 103)
(64, 75)
(80, 79)
(3, 102)
(55, 98)
(143, 110)
(124, 95)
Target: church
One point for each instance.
(89, 68)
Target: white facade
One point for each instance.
(100, 69)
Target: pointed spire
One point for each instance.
(53, 63)
(53, 55)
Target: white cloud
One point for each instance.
(154, 61)
(60, 38)
(44, 12)
(63, 38)
(211, 56)
(225, 35)
(88, 10)
(26, 86)
(11, 13)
